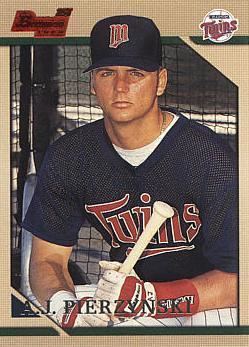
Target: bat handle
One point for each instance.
(161, 211)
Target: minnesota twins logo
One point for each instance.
(218, 26)
(118, 34)
(124, 225)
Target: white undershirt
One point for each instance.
(137, 156)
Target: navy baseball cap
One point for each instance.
(126, 41)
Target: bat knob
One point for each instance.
(163, 209)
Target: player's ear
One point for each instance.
(162, 81)
(92, 86)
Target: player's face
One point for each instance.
(125, 93)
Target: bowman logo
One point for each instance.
(218, 26)
(48, 27)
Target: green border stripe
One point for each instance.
(235, 40)
(28, 332)
(159, 331)
(169, 40)
(9, 41)
(11, 331)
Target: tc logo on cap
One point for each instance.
(118, 34)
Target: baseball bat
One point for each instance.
(161, 211)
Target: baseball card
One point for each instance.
(124, 183)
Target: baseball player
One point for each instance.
(112, 171)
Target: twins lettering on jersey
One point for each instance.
(124, 226)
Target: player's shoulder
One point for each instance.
(90, 130)
(75, 147)
(204, 140)
(79, 138)
(208, 140)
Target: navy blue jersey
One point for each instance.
(83, 176)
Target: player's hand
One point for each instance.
(107, 318)
(131, 297)
(73, 318)
(125, 293)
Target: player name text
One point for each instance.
(177, 306)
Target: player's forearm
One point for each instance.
(47, 278)
(49, 269)
(216, 289)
